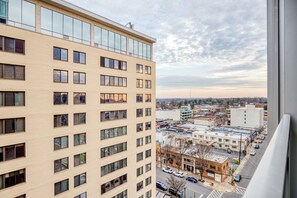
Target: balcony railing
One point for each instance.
(269, 177)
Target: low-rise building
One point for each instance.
(216, 167)
(222, 139)
(183, 114)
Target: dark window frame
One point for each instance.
(60, 56)
(79, 57)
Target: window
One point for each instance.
(12, 125)
(60, 143)
(113, 183)
(61, 186)
(148, 111)
(139, 156)
(139, 49)
(139, 97)
(113, 132)
(148, 70)
(79, 139)
(60, 76)
(79, 118)
(79, 57)
(148, 194)
(109, 168)
(139, 83)
(148, 126)
(82, 195)
(60, 98)
(12, 152)
(113, 81)
(60, 120)
(148, 167)
(113, 98)
(148, 98)
(148, 181)
(123, 194)
(12, 72)
(80, 179)
(113, 115)
(139, 171)
(63, 26)
(148, 139)
(139, 127)
(109, 40)
(139, 142)
(12, 45)
(79, 78)
(114, 149)
(212, 167)
(61, 164)
(12, 178)
(139, 186)
(139, 112)
(79, 98)
(80, 159)
(8, 98)
(113, 64)
(60, 54)
(148, 153)
(139, 68)
(148, 84)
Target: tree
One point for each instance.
(202, 151)
(160, 154)
(182, 149)
(177, 184)
(167, 147)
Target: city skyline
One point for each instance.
(200, 53)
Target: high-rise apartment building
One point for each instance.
(77, 100)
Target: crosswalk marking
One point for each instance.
(239, 190)
(215, 194)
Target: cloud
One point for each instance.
(196, 81)
(215, 38)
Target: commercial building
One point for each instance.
(222, 139)
(185, 113)
(216, 167)
(77, 100)
(167, 114)
(248, 116)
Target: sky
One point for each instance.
(204, 48)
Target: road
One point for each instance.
(198, 189)
(248, 171)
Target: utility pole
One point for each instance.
(240, 147)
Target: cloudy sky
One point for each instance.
(204, 48)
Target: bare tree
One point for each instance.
(176, 184)
(167, 147)
(183, 147)
(202, 151)
(159, 153)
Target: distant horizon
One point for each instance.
(211, 98)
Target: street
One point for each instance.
(198, 190)
(248, 171)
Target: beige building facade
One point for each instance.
(77, 104)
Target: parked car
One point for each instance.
(191, 179)
(179, 174)
(256, 146)
(174, 192)
(161, 186)
(253, 152)
(167, 170)
(237, 178)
